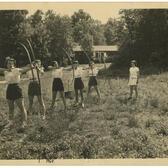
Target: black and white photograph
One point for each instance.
(83, 81)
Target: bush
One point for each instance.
(161, 128)
(154, 102)
(132, 121)
(149, 123)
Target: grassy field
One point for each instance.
(115, 128)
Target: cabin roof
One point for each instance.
(99, 48)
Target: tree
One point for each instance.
(59, 30)
(114, 31)
(10, 24)
(39, 36)
(87, 32)
(145, 41)
(83, 30)
(98, 33)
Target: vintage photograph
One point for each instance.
(83, 81)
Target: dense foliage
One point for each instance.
(140, 33)
(145, 37)
(49, 33)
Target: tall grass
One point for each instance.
(115, 128)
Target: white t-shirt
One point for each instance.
(57, 73)
(12, 76)
(78, 72)
(134, 72)
(30, 76)
(93, 72)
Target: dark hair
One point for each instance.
(10, 59)
(134, 62)
(37, 61)
(54, 62)
(75, 62)
(91, 62)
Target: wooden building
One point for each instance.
(100, 52)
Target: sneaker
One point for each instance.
(83, 105)
(21, 140)
(24, 125)
(9, 125)
(43, 117)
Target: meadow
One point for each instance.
(114, 128)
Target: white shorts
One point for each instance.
(132, 82)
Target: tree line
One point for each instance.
(50, 33)
(145, 38)
(141, 34)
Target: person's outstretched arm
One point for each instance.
(26, 68)
(50, 68)
(2, 70)
(68, 68)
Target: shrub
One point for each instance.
(164, 108)
(161, 128)
(132, 121)
(149, 123)
(154, 102)
(110, 116)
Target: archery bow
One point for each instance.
(39, 81)
(70, 62)
(28, 54)
(89, 61)
(38, 75)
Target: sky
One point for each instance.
(96, 10)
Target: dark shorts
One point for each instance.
(57, 85)
(78, 84)
(34, 89)
(92, 81)
(13, 92)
